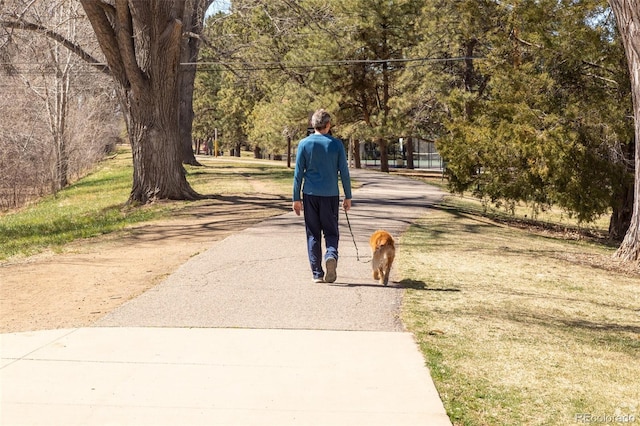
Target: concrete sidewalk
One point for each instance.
(240, 335)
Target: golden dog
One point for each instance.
(383, 252)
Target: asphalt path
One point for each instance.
(240, 335)
(261, 278)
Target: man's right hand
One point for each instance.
(297, 207)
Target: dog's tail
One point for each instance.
(386, 254)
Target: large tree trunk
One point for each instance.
(409, 150)
(155, 141)
(193, 25)
(622, 213)
(356, 154)
(384, 154)
(147, 69)
(187, 77)
(623, 198)
(627, 14)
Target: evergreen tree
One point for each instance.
(533, 119)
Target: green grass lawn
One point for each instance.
(520, 327)
(96, 204)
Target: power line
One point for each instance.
(260, 66)
(342, 61)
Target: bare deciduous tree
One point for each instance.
(46, 87)
(24, 159)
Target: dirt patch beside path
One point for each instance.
(90, 278)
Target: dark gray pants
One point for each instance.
(321, 217)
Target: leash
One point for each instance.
(352, 237)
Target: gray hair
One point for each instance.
(320, 119)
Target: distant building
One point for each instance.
(425, 155)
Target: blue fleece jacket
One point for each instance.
(319, 160)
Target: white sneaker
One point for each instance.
(331, 265)
(318, 280)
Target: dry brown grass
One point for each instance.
(521, 328)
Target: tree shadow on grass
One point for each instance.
(547, 230)
(574, 323)
(403, 284)
(421, 285)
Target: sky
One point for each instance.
(219, 5)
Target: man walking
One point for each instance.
(319, 161)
